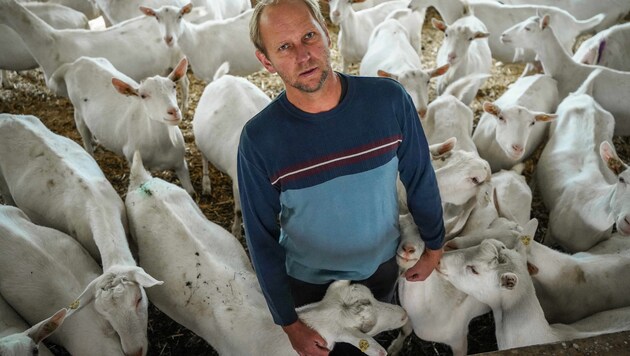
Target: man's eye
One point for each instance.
(309, 35)
(284, 47)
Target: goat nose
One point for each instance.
(409, 249)
(517, 148)
(336, 13)
(168, 40)
(451, 57)
(137, 353)
(422, 113)
(173, 112)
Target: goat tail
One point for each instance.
(223, 69)
(138, 174)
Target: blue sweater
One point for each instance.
(318, 191)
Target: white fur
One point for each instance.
(43, 269)
(608, 48)
(499, 277)
(437, 311)
(465, 47)
(17, 338)
(391, 54)
(614, 10)
(217, 125)
(609, 87)
(209, 44)
(355, 27)
(15, 54)
(521, 125)
(145, 117)
(498, 18)
(584, 197)
(133, 47)
(212, 289)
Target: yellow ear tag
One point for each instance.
(364, 345)
(526, 240)
(74, 304)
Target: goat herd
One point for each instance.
(89, 239)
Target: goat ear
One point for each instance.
(509, 280)
(543, 117)
(385, 74)
(44, 328)
(124, 88)
(147, 11)
(532, 269)
(479, 35)
(491, 108)
(138, 275)
(544, 23)
(85, 297)
(439, 149)
(186, 9)
(609, 156)
(439, 70)
(439, 25)
(180, 70)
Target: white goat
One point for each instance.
(575, 183)
(614, 10)
(89, 8)
(212, 289)
(609, 88)
(513, 196)
(437, 311)
(390, 54)
(365, 4)
(115, 11)
(608, 48)
(355, 27)
(499, 277)
(515, 125)
(412, 21)
(18, 339)
(569, 287)
(220, 9)
(209, 44)
(217, 126)
(15, 54)
(60, 185)
(42, 270)
(133, 47)
(498, 17)
(125, 116)
(465, 48)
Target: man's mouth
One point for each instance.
(308, 72)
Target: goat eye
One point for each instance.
(470, 39)
(532, 123)
(527, 29)
(139, 300)
(501, 118)
(472, 269)
(143, 96)
(475, 180)
(621, 180)
(445, 34)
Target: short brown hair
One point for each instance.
(254, 23)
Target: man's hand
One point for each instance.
(425, 265)
(306, 341)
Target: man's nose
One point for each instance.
(303, 53)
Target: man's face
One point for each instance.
(297, 46)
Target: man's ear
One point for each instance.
(262, 58)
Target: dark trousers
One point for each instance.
(382, 284)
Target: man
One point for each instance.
(317, 173)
